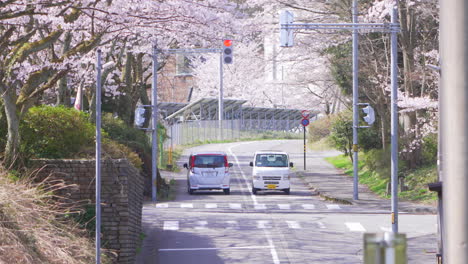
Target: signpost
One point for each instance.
(305, 122)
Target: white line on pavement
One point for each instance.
(232, 225)
(263, 224)
(186, 205)
(284, 206)
(321, 225)
(162, 205)
(260, 207)
(171, 225)
(293, 224)
(333, 206)
(235, 206)
(355, 227)
(200, 249)
(308, 206)
(254, 199)
(211, 205)
(201, 225)
(273, 252)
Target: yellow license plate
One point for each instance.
(271, 186)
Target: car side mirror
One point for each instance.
(230, 165)
(291, 164)
(185, 165)
(251, 164)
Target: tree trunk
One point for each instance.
(64, 94)
(13, 138)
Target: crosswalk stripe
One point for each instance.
(321, 225)
(293, 224)
(284, 206)
(333, 206)
(235, 206)
(211, 206)
(165, 205)
(263, 224)
(186, 205)
(171, 225)
(355, 227)
(201, 225)
(308, 206)
(232, 225)
(260, 207)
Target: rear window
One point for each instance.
(209, 161)
(271, 160)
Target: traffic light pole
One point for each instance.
(220, 100)
(154, 134)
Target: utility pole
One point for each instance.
(355, 101)
(154, 132)
(98, 157)
(454, 109)
(220, 99)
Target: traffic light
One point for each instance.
(370, 116)
(227, 51)
(139, 116)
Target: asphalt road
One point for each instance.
(210, 227)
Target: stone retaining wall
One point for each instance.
(121, 198)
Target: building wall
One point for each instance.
(121, 198)
(174, 82)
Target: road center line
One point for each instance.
(201, 249)
(254, 199)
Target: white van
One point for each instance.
(207, 171)
(271, 171)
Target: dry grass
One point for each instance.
(33, 229)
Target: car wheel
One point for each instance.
(254, 190)
(286, 191)
(227, 191)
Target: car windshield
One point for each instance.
(208, 161)
(271, 160)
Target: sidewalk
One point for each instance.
(332, 184)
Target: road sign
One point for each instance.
(305, 114)
(305, 122)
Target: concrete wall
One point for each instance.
(121, 197)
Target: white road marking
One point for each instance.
(211, 206)
(252, 196)
(201, 249)
(232, 225)
(385, 229)
(293, 224)
(333, 206)
(235, 206)
(171, 225)
(273, 252)
(201, 225)
(260, 206)
(164, 205)
(186, 205)
(263, 224)
(308, 206)
(321, 225)
(355, 227)
(284, 206)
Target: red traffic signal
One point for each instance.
(227, 43)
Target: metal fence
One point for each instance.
(185, 133)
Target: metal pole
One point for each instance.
(454, 58)
(304, 148)
(220, 100)
(394, 121)
(98, 158)
(154, 134)
(355, 102)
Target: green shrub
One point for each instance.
(429, 150)
(341, 136)
(130, 136)
(319, 129)
(55, 132)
